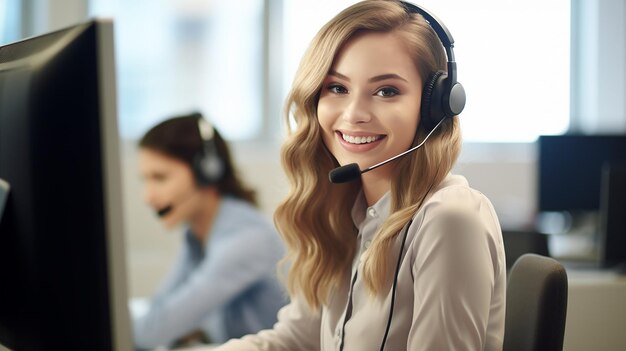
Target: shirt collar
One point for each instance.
(380, 210)
(360, 210)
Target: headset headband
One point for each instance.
(442, 33)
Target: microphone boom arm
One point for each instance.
(403, 153)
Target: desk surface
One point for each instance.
(596, 310)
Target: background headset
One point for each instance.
(207, 166)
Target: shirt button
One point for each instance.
(371, 212)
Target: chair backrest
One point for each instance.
(536, 305)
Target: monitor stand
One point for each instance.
(572, 236)
(618, 268)
(612, 238)
(4, 194)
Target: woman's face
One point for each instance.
(168, 183)
(370, 101)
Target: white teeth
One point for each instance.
(359, 140)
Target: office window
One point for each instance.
(3, 10)
(513, 59)
(175, 56)
(9, 21)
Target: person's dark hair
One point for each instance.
(179, 137)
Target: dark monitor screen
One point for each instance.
(62, 257)
(570, 169)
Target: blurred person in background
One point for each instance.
(223, 284)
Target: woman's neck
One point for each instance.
(202, 221)
(374, 187)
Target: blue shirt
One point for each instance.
(228, 288)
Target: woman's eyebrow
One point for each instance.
(386, 76)
(338, 75)
(371, 80)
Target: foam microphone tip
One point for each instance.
(345, 173)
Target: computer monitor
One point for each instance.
(570, 170)
(62, 256)
(613, 215)
(581, 179)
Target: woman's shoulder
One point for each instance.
(236, 215)
(454, 219)
(241, 209)
(455, 199)
(454, 193)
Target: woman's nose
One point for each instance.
(357, 110)
(148, 195)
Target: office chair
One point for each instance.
(536, 305)
(517, 243)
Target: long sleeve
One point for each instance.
(177, 275)
(240, 255)
(455, 268)
(298, 328)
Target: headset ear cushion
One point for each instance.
(208, 167)
(196, 166)
(431, 112)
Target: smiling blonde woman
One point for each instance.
(407, 256)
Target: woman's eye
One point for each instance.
(337, 89)
(388, 92)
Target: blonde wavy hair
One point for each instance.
(315, 219)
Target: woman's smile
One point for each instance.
(359, 141)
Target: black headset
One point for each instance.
(207, 166)
(442, 96)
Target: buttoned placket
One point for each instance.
(372, 215)
(369, 226)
